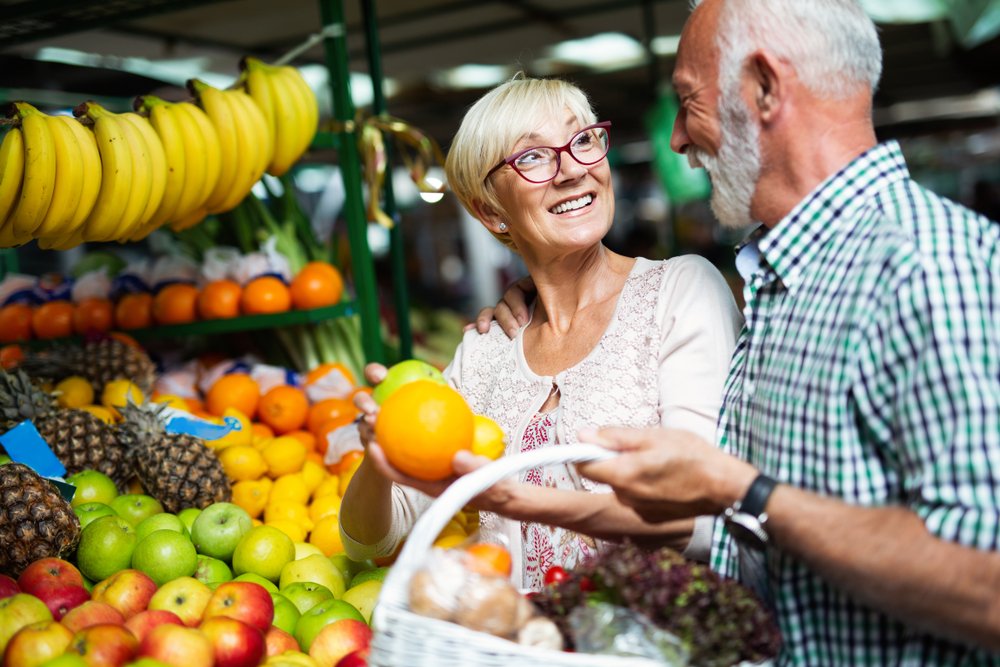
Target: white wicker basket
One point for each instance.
(405, 639)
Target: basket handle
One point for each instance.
(464, 489)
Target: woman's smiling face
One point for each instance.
(571, 212)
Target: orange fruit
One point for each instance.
(305, 437)
(15, 322)
(235, 390)
(126, 339)
(488, 559)
(93, 315)
(346, 461)
(11, 356)
(219, 299)
(261, 430)
(53, 319)
(324, 431)
(421, 426)
(176, 304)
(283, 408)
(134, 311)
(315, 457)
(266, 294)
(340, 410)
(316, 285)
(315, 374)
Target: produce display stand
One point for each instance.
(29, 21)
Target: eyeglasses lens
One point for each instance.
(541, 164)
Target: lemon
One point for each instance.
(285, 455)
(100, 412)
(296, 532)
(74, 392)
(325, 506)
(326, 535)
(283, 510)
(252, 495)
(487, 438)
(117, 393)
(290, 487)
(173, 400)
(450, 541)
(242, 462)
(313, 475)
(244, 436)
(330, 486)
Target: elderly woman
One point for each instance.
(611, 340)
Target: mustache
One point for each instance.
(696, 157)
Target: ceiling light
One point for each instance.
(471, 76)
(604, 51)
(665, 45)
(904, 11)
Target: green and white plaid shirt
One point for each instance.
(869, 370)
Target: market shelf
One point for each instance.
(227, 325)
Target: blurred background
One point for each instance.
(940, 97)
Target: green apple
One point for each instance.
(212, 570)
(323, 614)
(134, 507)
(286, 614)
(188, 515)
(317, 569)
(4, 459)
(219, 528)
(92, 486)
(147, 662)
(349, 567)
(303, 549)
(165, 555)
(305, 595)
(106, 546)
(66, 660)
(257, 579)
(161, 521)
(87, 512)
(378, 574)
(363, 597)
(263, 550)
(403, 373)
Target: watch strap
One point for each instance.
(757, 495)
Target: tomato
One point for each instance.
(555, 575)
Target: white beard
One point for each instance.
(735, 169)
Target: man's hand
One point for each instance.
(668, 474)
(512, 311)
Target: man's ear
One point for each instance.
(489, 216)
(767, 77)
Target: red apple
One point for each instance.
(244, 601)
(17, 611)
(128, 591)
(92, 613)
(60, 598)
(338, 639)
(357, 658)
(106, 645)
(178, 646)
(8, 586)
(35, 644)
(47, 572)
(235, 643)
(278, 641)
(185, 596)
(143, 623)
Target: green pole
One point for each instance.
(335, 49)
(400, 293)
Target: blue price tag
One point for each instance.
(203, 429)
(25, 445)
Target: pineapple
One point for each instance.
(99, 361)
(79, 439)
(178, 470)
(35, 521)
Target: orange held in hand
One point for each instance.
(421, 427)
(318, 284)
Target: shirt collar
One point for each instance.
(797, 239)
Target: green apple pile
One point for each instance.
(202, 588)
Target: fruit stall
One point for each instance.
(177, 435)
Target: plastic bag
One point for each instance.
(599, 627)
(172, 269)
(267, 262)
(332, 384)
(94, 284)
(179, 381)
(220, 263)
(340, 442)
(133, 279)
(269, 377)
(18, 288)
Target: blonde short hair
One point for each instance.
(495, 123)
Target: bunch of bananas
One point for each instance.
(107, 176)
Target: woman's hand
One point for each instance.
(511, 313)
(364, 402)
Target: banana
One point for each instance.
(39, 172)
(189, 220)
(68, 187)
(207, 147)
(255, 81)
(116, 174)
(142, 179)
(290, 117)
(91, 158)
(158, 170)
(253, 147)
(11, 173)
(169, 129)
(307, 98)
(220, 112)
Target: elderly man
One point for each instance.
(857, 474)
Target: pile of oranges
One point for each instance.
(318, 284)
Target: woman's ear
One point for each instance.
(489, 216)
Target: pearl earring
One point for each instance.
(502, 226)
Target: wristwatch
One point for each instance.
(746, 519)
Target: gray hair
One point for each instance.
(832, 44)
